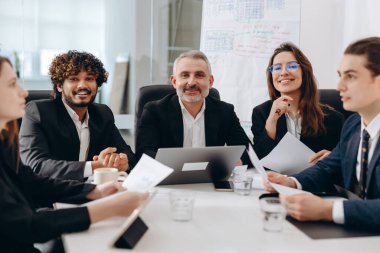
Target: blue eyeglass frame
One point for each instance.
(290, 67)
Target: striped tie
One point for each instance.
(364, 164)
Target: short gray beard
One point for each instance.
(192, 99)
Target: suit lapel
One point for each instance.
(349, 162)
(281, 127)
(176, 122)
(373, 162)
(67, 124)
(95, 132)
(212, 124)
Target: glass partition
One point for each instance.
(150, 33)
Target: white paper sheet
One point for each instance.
(290, 156)
(240, 169)
(146, 175)
(286, 190)
(256, 162)
(257, 182)
(279, 188)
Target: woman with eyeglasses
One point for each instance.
(21, 191)
(294, 107)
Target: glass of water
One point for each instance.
(274, 214)
(181, 204)
(243, 185)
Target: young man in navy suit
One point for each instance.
(355, 162)
(70, 136)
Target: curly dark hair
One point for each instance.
(73, 62)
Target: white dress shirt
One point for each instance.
(193, 128)
(84, 137)
(294, 125)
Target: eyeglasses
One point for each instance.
(290, 67)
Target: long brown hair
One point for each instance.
(309, 106)
(9, 135)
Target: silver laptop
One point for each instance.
(199, 165)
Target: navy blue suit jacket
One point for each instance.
(340, 168)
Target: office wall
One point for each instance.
(138, 28)
(328, 26)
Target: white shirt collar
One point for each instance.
(373, 127)
(74, 116)
(183, 108)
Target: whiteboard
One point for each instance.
(238, 37)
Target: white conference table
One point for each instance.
(223, 222)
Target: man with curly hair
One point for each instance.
(70, 136)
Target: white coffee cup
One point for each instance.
(103, 175)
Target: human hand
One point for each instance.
(124, 204)
(277, 178)
(105, 189)
(108, 158)
(121, 204)
(280, 106)
(319, 156)
(100, 161)
(306, 206)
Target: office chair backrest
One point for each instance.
(156, 92)
(36, 95)
(331, 97)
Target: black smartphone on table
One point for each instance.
(224, 186)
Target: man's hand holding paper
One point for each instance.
(281, 184)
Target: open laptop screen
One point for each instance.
(199, 165)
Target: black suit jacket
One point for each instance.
(20, 224)
(161, 126)
(49, 141)
(340, 168)
(263, 144)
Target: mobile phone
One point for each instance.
(224, 186)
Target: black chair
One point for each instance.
(36, 95)
(331, 97)
(156, 92)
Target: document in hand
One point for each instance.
(147, 174)
(258, 165)
(290, 156)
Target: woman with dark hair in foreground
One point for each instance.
(21, 191)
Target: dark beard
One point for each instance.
(72, 104)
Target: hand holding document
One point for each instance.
(290, 156)
(147, 174)
(279, 188)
